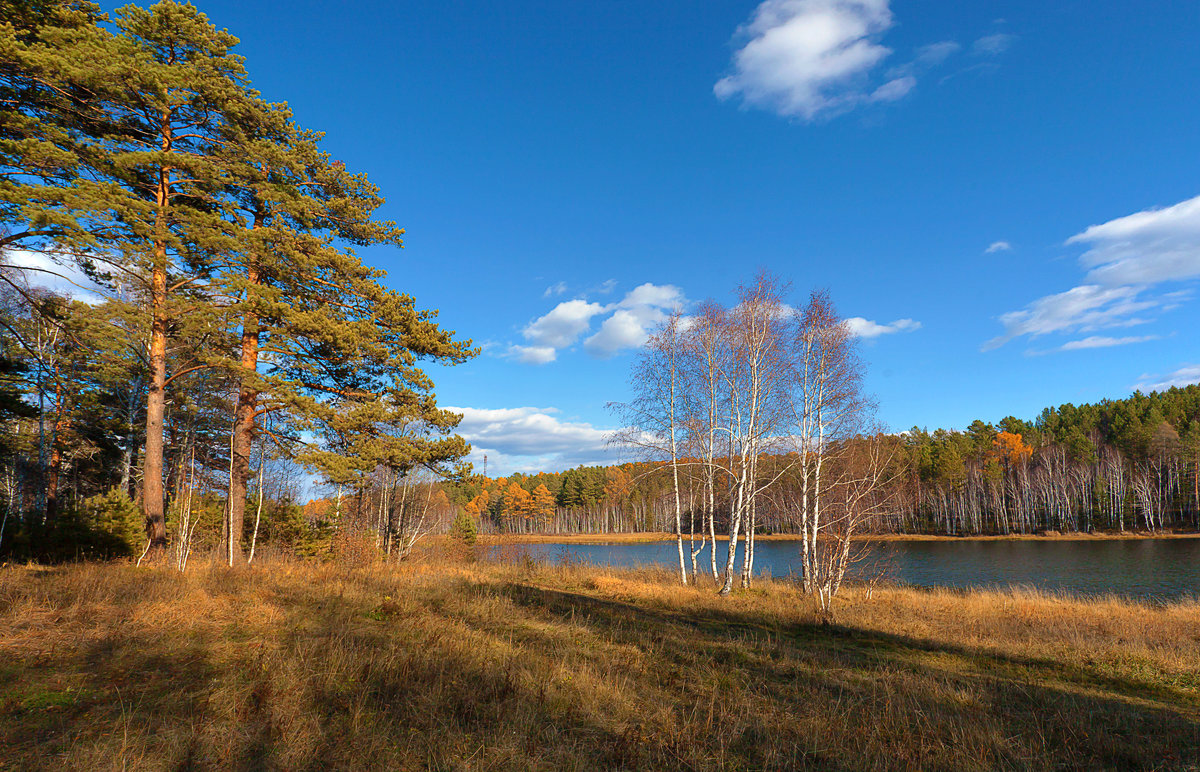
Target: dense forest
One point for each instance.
(221, 340)
(1117, 465)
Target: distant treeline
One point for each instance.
(1116, 465)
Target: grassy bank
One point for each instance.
(656, 536)
(526, 666)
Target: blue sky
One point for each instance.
(955, 173)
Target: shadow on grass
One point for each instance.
(870, 645)
(1055, 713)
(509, 675)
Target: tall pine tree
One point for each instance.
(321, 338)
(166, 95)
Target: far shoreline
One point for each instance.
(648, 537)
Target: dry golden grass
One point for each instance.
(455, 665)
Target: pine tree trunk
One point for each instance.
(152, 469)
(243, 428)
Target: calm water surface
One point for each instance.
(1156, 569)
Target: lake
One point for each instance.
(1150, 569)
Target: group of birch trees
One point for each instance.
(229, 318)
(757, 409)
(1117, 465)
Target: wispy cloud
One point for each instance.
(1101, 341)
(986, 52)
(1096, 341)
(1184, 376)
(993, 45)
(925, 59)
(1125, 260)
(865, 328)
(1147, 247)
(555, 289)
(1079, 309)
(936, 53)
(894, 89)
(998, 246)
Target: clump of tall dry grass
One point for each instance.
(453, 664)
(1031, 622)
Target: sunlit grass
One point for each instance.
(456, 665)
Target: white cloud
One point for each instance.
(1184, 376)
(865, 328)
(531, 439)
(607, 286)
(555, 289)
(628, 323)
(641, 310)
(1079, 309)
(1146, 247)
(808, 57)
(997, 246)
(624, 329)
(41, 270)
(991, 45)
(1101, 341)
(532, 355)
(656, 295)
(563, 325)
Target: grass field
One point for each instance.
(455, 665)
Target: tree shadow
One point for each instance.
(1076, 716)
(444, 682)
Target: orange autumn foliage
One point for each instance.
(1011, 448)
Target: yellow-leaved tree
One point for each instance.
(543, 505)
(518, 504)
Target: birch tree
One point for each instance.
(755, 382)
(653, 418)
(706, 359)
(827, 409)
